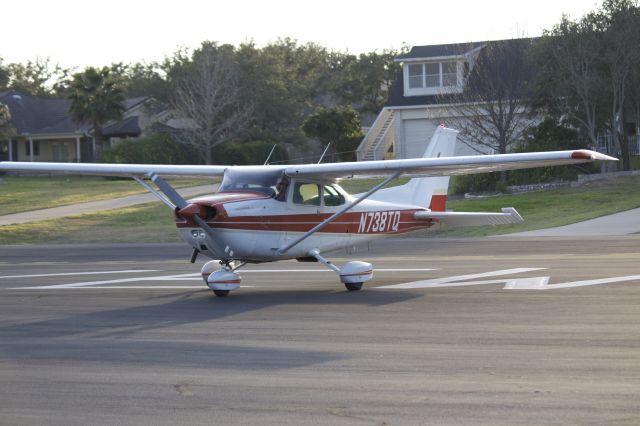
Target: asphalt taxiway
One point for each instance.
(481, 331)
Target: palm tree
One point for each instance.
(96, 98)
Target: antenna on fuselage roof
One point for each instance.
(269, 156)
(324, 152)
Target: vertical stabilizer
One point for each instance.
(428, 192)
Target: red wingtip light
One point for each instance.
(581, 155)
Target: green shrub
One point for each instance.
(247, 153)
(547, 136)
(156, 148)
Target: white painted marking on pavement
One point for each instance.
(447, 281)
(133, 287)
(542, 283)
(92, 283)
(193, 276)
(80, 273)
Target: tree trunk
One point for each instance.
(625, 152)
(209, 157)
(99, 138)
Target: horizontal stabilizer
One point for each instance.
(459, 219)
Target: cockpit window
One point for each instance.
(332, 197)
(306, 193)
(281, 189)
(251, 181)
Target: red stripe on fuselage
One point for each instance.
(360, 222)
(374, 223)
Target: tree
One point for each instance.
(569, 81)
(365, 80)
(208, 95)
(339, 126)
(96, 97)
(283, 80)
(38, 78)
(493, 109)
(590, 71)
(6, 129)
(4, 76)
(620, 27)
(146, 79)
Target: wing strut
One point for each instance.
(283, 250)
(154, 192)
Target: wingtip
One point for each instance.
(585, 154)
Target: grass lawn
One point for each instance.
(23, 193)
(547, 209)
(153, 222)
(145, 223)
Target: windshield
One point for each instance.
(251, 181)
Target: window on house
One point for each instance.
(415, 76)
(433, 75)
(449, 74)
(36, 148)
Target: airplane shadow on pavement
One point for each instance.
(153, 334)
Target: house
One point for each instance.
(412, 112)
(44, 130)
(427, 92)
(422, 98)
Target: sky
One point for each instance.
(76, 34)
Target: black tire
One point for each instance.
(353, 286)
(221, 293)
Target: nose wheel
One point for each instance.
(353, 286)
(221, 281)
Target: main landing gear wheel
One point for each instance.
(353, 286)
(222, 281)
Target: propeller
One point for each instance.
(182, 207)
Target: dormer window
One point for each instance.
(431, 78)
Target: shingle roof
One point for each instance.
(397, 98)
(131, 102)
(35, 115)
(396, 92)
(127, 127)
(439, 50)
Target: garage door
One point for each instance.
(417, 134)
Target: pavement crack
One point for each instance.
(338, 412)
(183, 389)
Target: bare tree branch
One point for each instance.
(208, 95)
(492, 111)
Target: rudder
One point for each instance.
(428, 192)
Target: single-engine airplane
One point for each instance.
(277, 212)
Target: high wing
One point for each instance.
(125, 170)
(417, 167)
(445, 166)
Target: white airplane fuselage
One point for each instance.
(252, 226)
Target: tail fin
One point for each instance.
(428, 192)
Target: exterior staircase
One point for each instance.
(378, 139)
